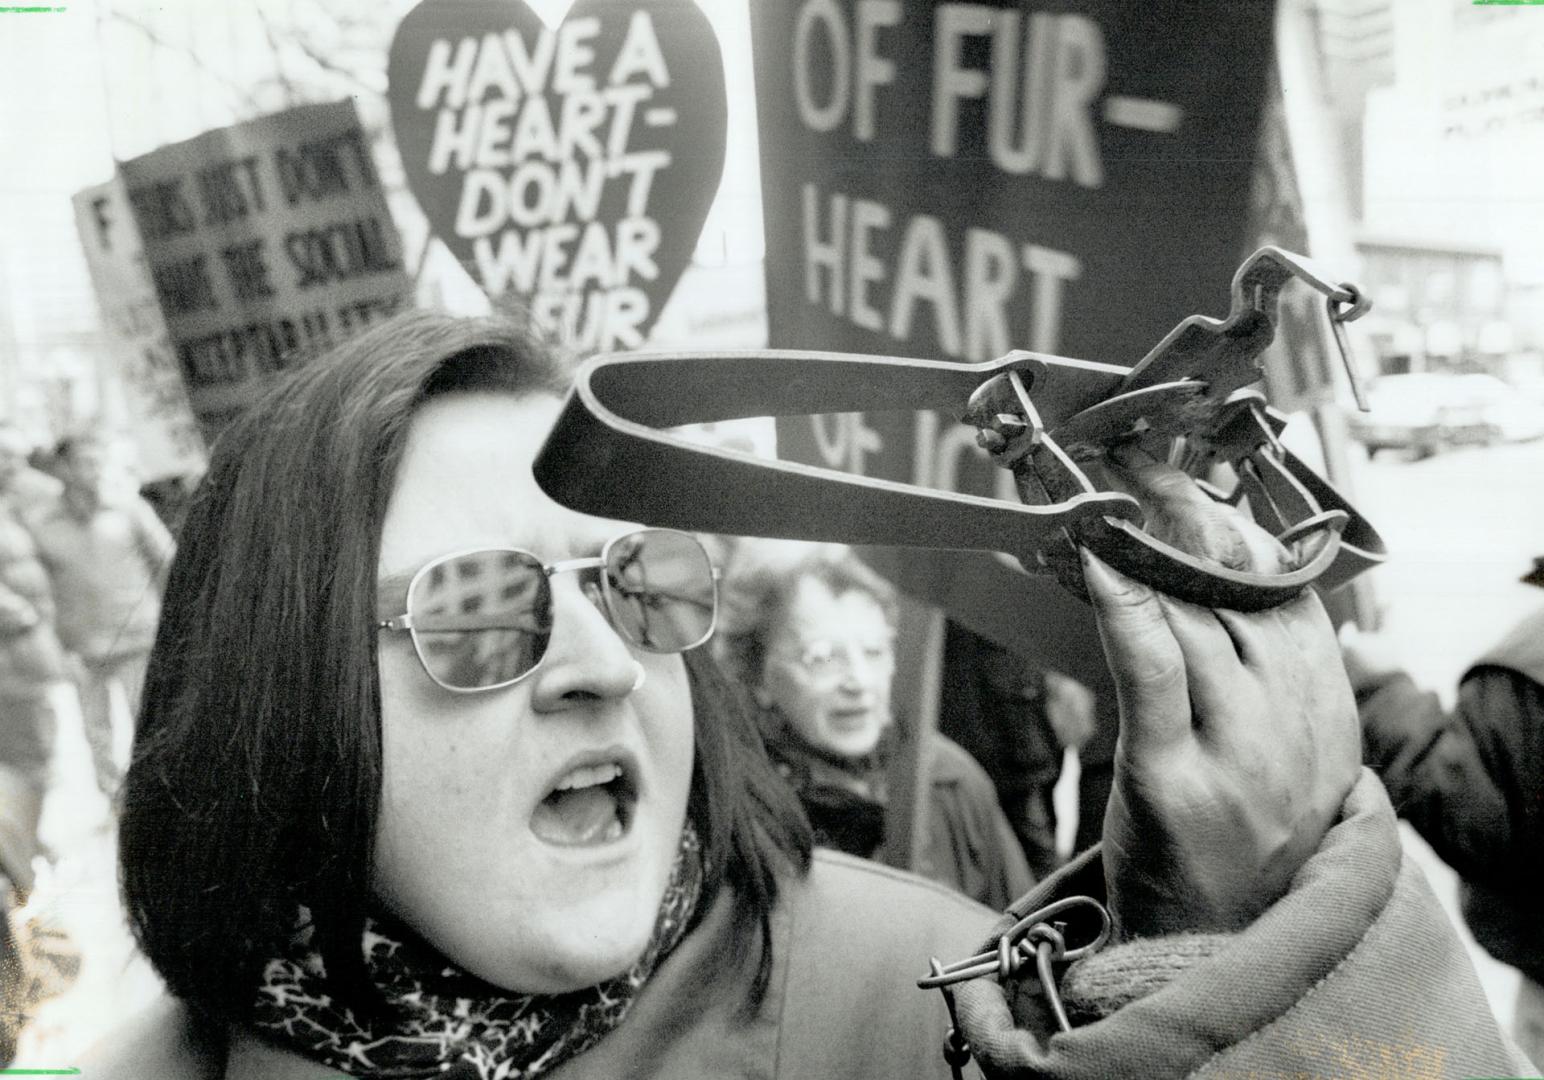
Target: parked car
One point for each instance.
(1514, 416)
(1424, 412)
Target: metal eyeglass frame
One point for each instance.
(404, 621)
(845, 668)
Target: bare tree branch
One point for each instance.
(332, 67)
(291, 96)
(160, 42)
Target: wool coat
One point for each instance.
(1355, 972)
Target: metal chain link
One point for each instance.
(1033, 939)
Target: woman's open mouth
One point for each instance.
(590, 805)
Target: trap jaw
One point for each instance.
(1187, 402)
(1043, 417)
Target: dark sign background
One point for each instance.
(953, 180)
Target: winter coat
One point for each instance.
(969, 844)
(31, 492)
(31, 662)
(30, 657)
(1355, 972)
(108, 563)
(1471, 781)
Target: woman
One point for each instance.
(428, 783)
(812, 637)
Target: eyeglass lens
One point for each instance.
(484, 618)
(660, 590)
(829, 661)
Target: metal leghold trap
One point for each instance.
(1046, 418)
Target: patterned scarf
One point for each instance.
(451, 1024)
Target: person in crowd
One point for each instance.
(1471, 781)
(28, 491)
(107, 554)
(168, 497)
(434, 779)
(812, 635)
(32, 668)
(1017, 719)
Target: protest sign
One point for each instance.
(265, 241)
(165, 434)
(955, 180)
(571, 167)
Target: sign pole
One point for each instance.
(919, 653)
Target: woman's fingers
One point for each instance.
(1292, 652)
(1181, 514)
(1146, 661)
(1212, 667)
(1234, 755)
(1300, 626)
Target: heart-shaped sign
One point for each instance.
(571, 167)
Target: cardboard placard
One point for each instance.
(165, 434)
(266, 241)
(570, 167)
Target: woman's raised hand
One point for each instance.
(1238, 732)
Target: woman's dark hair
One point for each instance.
(256, 774)
(761, 583)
